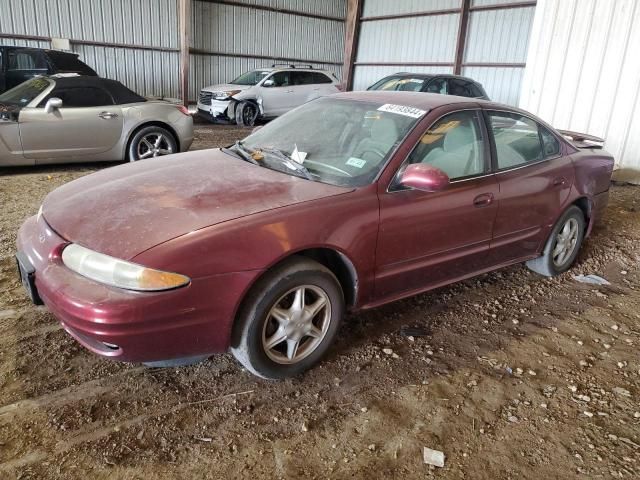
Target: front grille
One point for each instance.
(205, 97)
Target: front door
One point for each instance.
(535, 181)
(87, 124)
(277, 98)
(429, 239)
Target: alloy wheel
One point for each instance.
(296, 324)
(154, 144)
(566, 241)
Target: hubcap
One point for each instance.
(566, 242)
(154, 145)
(296, 324)
(249, 115)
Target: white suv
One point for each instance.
(265, 93)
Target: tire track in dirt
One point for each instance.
(74, 393)
(93, 432)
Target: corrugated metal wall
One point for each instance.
(493, 37)
(242, 35)
(145, 23)
(583, 73)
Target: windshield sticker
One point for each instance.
(402, 110)
(356, 162)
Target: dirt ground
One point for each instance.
(517, 377)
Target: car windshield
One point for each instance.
(407, 84)
(24, 93)
(251, 78)
(335, 140)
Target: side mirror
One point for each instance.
(52, 104)
(424, 177)
(268, 83)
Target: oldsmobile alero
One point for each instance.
(346, 203)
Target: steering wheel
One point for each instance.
(330, 167)
(376, 151)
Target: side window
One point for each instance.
(80, 97)
(476, 91)
(437, 85)
(319, 77)
(302, 78)
(281, 79)
(550, 144)
(454, 144)
(517, 139)
(26, 60)
(459, 87)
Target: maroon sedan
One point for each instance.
(345, 203)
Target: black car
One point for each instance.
(18, 64)
(432, 83)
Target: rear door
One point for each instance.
(304, 87)
(427, 239)
(87, 124)
(535, 180)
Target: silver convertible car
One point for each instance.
(73, 118)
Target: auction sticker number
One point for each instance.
(402, 110)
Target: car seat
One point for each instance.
(383, 136)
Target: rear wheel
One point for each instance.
(246, 114)
(562, 246)
(150, 142)
(289, 321)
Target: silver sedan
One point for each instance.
(72, 118)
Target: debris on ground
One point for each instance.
(591, 279)
(433, 457)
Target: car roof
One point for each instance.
(120, 93)
(46, 50)
(425, 101)
(431, 75)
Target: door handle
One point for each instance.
(107, 115)
(483, 200)
(559, 182)
(289, 91)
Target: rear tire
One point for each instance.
(563, 244)
(246, 114)
(289, 320)
(150, 142)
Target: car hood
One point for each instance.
(224, 87)
(125, 210)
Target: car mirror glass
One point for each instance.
(268, 83)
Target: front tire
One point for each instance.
(289, 320)
(246, 114)
(150, 142)
(562, 246)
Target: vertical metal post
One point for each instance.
(462, 36)
(184, 23)
(352, 31)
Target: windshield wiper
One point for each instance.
(289, 162)
(244, 152)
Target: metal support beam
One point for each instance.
(462, 36)
(352, 32)
(184, 23)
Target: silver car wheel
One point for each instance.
(296, 324)
(154, 145)
(566, 242)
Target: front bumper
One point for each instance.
(127, 325)
(217, 109)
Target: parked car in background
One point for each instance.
(18, 64)
(73, 118)
(265, 93)
(432, 83)
(346, 203)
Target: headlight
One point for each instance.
(118, 273)
(225, 95)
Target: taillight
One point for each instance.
(184, 110)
